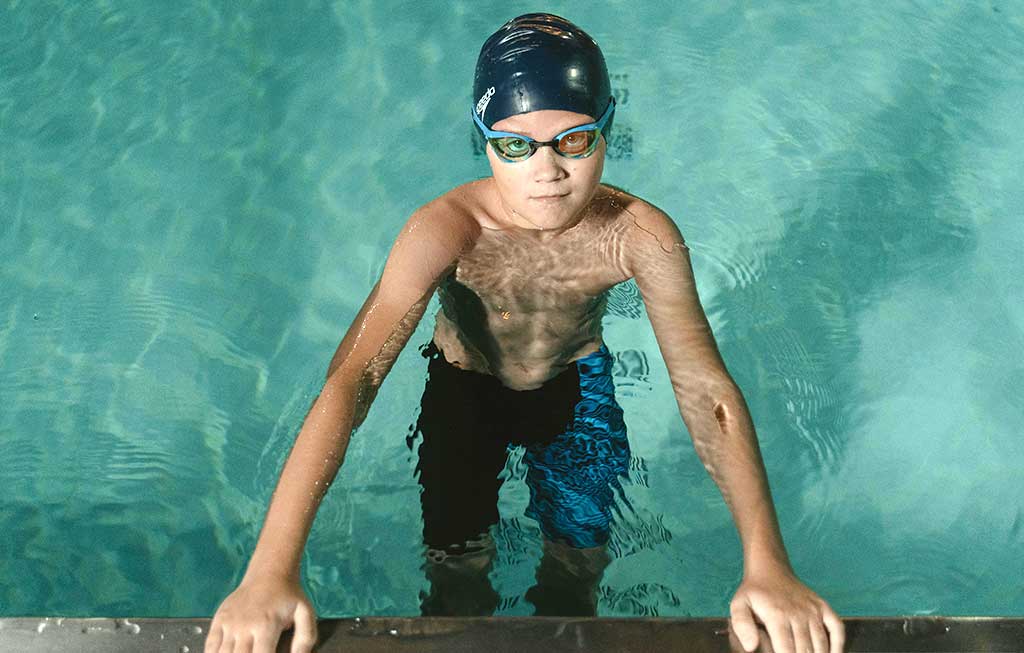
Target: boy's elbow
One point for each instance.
(358, 390)
(709, 392)
(340, 384)
(332, 371)
(723, 400)
(725, 396)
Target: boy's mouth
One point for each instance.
(549, 198)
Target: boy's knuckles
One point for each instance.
(267, 617)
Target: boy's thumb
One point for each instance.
(743, 625)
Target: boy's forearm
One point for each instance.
(724, 437)
(321, 444)
(311, 466)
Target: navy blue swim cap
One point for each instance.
(539, 61)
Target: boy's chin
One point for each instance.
(551, 218)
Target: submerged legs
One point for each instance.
(567, 580)
(459, 584)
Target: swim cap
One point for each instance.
(539, 61)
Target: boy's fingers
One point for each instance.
(213, 639)
(305, 629)
(243, 644)
(781, 635)
(266, 640)
(802, 637)
(836, 631)
(743, 625)
(820, 637)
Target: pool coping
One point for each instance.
(912, 634)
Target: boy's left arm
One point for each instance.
(716, 415)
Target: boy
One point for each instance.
(522, 262)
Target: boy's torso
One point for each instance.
(521, 306)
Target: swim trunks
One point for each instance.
(575, 451)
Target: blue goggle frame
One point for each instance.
(492, 136)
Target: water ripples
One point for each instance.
(640, 600)
(624, 300)
(924, 572)
(637, 531)
(740, 267)
(812, 406)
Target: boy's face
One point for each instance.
(547, 190)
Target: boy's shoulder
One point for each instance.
(449, 217)
(463, 208)
(642, 218)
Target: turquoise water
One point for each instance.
(195, 198)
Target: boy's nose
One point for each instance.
(548, 166)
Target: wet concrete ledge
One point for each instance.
(511, 635)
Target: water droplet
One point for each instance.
(41, 627)
(196, 630)
(35, 316)
(129, 626)
(183, 649)
(799, 261)
(100, 626)
(393, 632)
(823, 244)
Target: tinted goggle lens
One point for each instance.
(574, 145)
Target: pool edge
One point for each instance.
(910, 634)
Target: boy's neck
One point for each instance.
(511, 220)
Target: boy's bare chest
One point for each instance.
(516, 277)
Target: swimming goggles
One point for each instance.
(576, 143)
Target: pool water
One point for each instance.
(195, 199)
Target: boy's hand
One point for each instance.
(252, 618)
(795, 617)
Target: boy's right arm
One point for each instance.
(270, 598)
